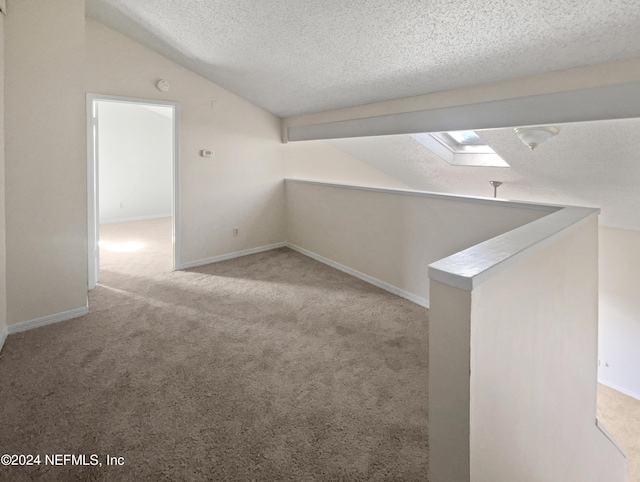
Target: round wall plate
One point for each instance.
(163, 85)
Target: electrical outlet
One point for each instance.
(236, 231)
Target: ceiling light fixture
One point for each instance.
(496, 185)
(532, 137)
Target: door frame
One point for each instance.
(93, 218)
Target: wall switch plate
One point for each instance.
(206, 153)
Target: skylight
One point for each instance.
(465, 138)
(463, 142)
(461, 148)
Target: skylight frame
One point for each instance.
(451, 143)
(454, 153)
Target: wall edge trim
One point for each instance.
(550, 208)
(619, 388)
(138, 218)
(508, 249)
(235, 254)
(47, 320)
(610, 437)
(3, 337)
(364, 277)
(340, 267)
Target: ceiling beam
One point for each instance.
(618, 101)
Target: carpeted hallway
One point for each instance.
(269, 367)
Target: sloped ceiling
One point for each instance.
(292, 57)
(594, 164)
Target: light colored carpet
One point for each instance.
(269, 367)
(620, 414)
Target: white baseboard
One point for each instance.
(3, 337)
(364, 277)
(47, 320)
(140, 218)
(620, 389)
(224, 257)
(611, 438)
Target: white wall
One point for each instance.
(392, 236)
(45, 170)
(534, 331)
(320, 161)
(3, 234)
(135, 152)
(241, 186)
(449, 362)
(522, 403)
(619, 333)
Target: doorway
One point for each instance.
(132, 171)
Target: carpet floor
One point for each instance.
(269, 367)
(620, 414)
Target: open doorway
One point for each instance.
(132, 185)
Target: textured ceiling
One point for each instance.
(587, 164)
(292, 57)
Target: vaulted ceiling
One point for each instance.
(292, 57)
(594, 164)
